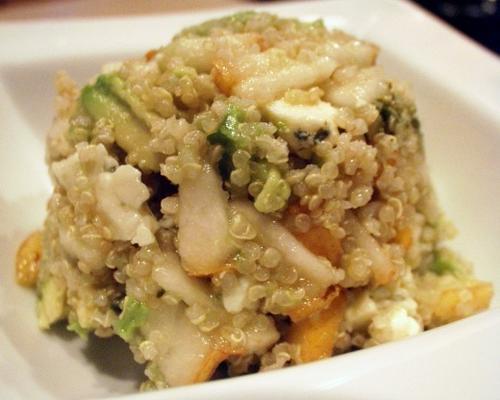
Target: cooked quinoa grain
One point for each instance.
(253, 194)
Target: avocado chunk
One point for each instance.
(229, 138)
(113, 84)
(74, 326)
(276, 190)
(130, 133)
(443, 264)
(275, 193)
(228, 134)
(51, 302)
(133, 316)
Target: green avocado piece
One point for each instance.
(133, 316)
(441, 264)
(275, 193)
(113, 84)
(130, 134)
(228, 134)
(75, 327)
(51, 301)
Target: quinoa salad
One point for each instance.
(252, 195)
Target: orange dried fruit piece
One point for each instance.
(313, 305)
(460, 302)
(209, 365)
(222, 76)
(28, 259)
(150, 54)
(317, 334)
(321, 242)
(404, 238)
(317, 239)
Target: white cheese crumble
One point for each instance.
(120, 196)
(65, 171)
(84, 165)
(393, 323)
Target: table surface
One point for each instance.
(11, 10)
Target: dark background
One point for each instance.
(479, 19)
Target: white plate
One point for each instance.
(457, 85)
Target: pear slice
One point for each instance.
(293, 251)
(204, 244)
(184, 354)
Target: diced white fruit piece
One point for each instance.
(233, 298)
(172, 278)
(274, 83)
(184, 353)
(196, 52)
(355, 52)
(294, 253)
(203, 236)
(261, 336)
(364, 88)
(357, 94)
(80, 250)
(384, 271)
(111, 67)
(65, 170)
(303, 117)
(237, 63)
(360, 313)
(120, 196)
(202, 52)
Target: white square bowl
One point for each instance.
(457, 86)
